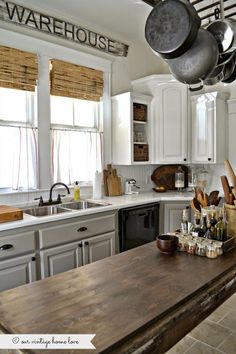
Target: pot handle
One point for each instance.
(195, 88)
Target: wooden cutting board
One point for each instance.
(112, 183)
(8, 213)
(165, 176)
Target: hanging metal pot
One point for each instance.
(221, 69)
(198, 62)
(225, 33)
(229, 69)
(172, 27)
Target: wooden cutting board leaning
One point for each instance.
(112, 182)
(8, 213)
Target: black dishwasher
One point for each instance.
(138, 225)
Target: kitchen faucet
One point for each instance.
(50, 201)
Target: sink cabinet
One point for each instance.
(47, 249)
(62, 258)
(73, 244)
(17, 259)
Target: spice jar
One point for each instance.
(218, 247)
(181, 244)
(211, 251)
(191, 247)
(201, 249)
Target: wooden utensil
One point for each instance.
(195, 205)
(230, 173)
(226, 188)
(213, 197)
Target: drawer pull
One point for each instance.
(33, 259)
(5, 247)
(86, 243)
(80, 245)
(83, 228)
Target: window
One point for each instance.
(76, 125)
(76, 139)
(18, 136)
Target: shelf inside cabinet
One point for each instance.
(139, 122)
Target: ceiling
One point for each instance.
(122, 19)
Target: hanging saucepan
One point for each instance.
(225, 33)
(215, 76)
(220, 70)
(198, 62)
(229, 69)
(172, 27)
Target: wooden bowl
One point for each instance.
(167, 243)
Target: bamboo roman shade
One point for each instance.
(75, 81)
(18, 69)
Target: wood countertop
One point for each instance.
(139, 298)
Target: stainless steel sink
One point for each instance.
(45, 210)
(61, 208)
(81, 204)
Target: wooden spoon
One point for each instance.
(230, 173)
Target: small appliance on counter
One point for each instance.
(129, 185)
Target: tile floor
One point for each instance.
(215, 335)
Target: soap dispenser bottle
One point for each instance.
(76, 195)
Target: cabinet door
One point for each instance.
(209, 127)
(172, 215)
(98, 247)
(60, 259)
(203, 128)
(171, 128)
(17, 271)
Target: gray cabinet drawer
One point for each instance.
(57, 235)
(17, 244)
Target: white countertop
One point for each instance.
(115, 203)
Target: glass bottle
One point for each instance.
(203, 226)
(184, 221)
(221, 228)
(179, 179)
(196, 231)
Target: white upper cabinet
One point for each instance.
(131, 126)
(169, 118)
(209, 128)
(171, 124)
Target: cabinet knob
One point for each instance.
(5, 247)
(185, 159)
(83, 228)
(86, 243)
(80, 245)
(209, 159)
(33, 259)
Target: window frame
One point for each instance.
(47, 49)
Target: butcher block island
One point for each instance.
(139, 301)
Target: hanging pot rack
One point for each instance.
(206, 9)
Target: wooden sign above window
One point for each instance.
(23, 16)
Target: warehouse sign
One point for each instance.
(23, 16)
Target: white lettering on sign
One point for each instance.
(21, 15)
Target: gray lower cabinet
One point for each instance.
(17, 259)
(171, 215)
(75, 254)
(17, 271)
